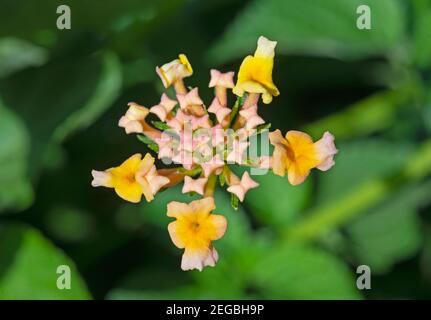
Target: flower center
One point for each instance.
(130, 178)
(194, 226)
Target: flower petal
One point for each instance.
(101, 179)
(178, 209)
(325, 149)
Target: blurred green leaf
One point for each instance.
(106, 92)
(314, 27)
(391, 232)
(422, 33)
(28, 267)
(57, 90)
(69, 224)
(369, 115)
(276, 202)
(329, 215)
(15, 189)
(17, 54)
(360, 161)
(302, 272)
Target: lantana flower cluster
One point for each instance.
(203, 142)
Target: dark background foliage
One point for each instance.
(62, 93)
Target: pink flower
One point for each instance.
(236, 154)
(219, 79)
(325, 151)
(164, 107)
(251, 117)
(264, 162)
(185, 158)
(165, 143)
(242, 187)
(134, 119)
(181, 120)
(218, 135)
(189, 99)
(196, 185)
(215, 165)
(220, 111)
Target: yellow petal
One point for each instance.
(175, 237)
(185, 62)
(255, 73)
(303, 156)
(128, 167)
(175, 70)
(297, 173)
(128, 191)
(219, 225)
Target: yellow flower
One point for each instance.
(194, 230)
(132, 178)
(255, 73)
(296, 154)
(175, 71)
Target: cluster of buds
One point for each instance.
(203, 143)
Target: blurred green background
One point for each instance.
(62, 93)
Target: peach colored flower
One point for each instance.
(296, 154)
(132, 178)
(194, 230)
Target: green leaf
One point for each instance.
(161, 125)
(222, 179)
(262, 128)
(15, 188)
(106, 92)
(234, 201)
(391, 232)
(276, 202)
(150, 143)
(54, 92)
(17, 54)
(28, 267)
(422, 34)
(369, 115)
(314, 27)
(358, 162)
(303, 272)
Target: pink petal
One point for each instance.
(325, 149)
